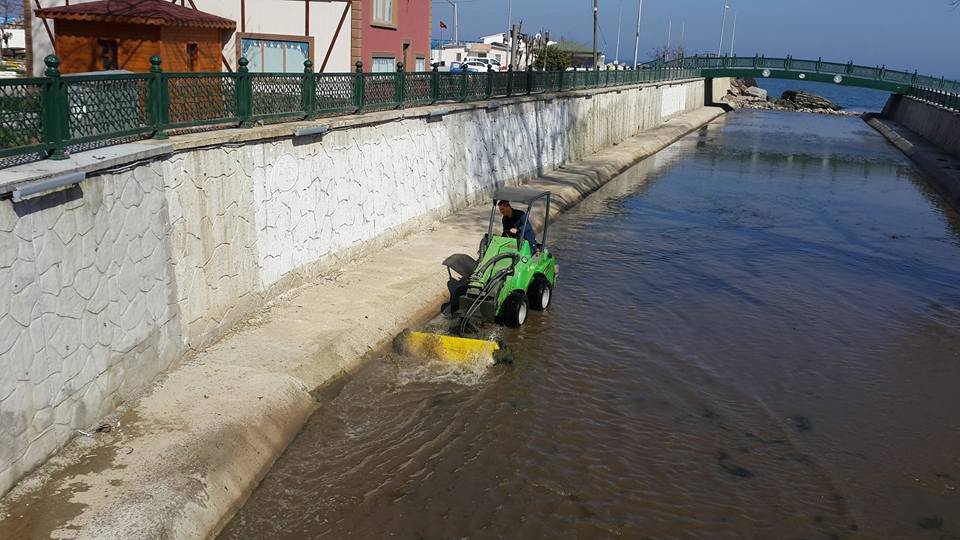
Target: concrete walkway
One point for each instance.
(942, 169)
(178, 462)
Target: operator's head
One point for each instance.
(504, 207)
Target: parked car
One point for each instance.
(471, 66)
(485, 62)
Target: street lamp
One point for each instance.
(456, 24)
(723, 24)
(636, 44)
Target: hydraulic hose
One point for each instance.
(488, 287)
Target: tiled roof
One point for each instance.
(153, 12)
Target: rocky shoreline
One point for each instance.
(744, 94)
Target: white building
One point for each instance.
(321, 27)
(448, 54)
(493, 46)
(17, 39)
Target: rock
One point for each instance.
(791, 99)
(738, 87)
(758, 93)
(930, 522)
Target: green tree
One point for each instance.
(555, 59)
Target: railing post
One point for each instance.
(510, 80)
(489, 81)
(244, 94)
(358, 87)
(529, 79)
(158, 99)
(435, 83)
(308, 91)
(464, 84)
(560, 80)
(401, 84)
(55, 110)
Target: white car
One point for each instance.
(486, 62)
(473, 66)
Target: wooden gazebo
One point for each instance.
(124, 34)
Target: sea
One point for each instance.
(849, 97)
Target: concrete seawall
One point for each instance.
(167, 245)
(927, 134)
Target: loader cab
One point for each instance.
(531, 240)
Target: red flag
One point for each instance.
(443, 24)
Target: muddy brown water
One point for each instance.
(755, 334)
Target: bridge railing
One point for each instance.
(849, 69)
(939, 91)
(946, 100)
(52, 116)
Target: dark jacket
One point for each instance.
(518, 221)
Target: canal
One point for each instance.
(754, 334)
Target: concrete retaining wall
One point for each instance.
(939, 126)
(106, 285)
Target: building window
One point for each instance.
(459, 57)
(108, 53)
(421, 63)
(193, 56)
(383, 11)
(267, 53)
(384, 64)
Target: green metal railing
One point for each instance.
(53, 115)
(938, 91)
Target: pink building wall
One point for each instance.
(411, 26)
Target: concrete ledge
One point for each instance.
(90, 161)
(179, 461)
(941, 168)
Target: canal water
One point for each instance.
(754, 334)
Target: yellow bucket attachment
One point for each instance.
(448, 348)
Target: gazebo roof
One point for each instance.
(151, 12)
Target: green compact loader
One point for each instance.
(514, 272)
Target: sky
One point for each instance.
(904, 34)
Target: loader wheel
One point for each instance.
(514, 311)
(540, 293)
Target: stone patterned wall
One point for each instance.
(104, 286)
(212, 235)
(86, 311)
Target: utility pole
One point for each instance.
(596, 13)
(513, 45)
(509, 15)
(619, 20)
(546, 43)
(723, 24)
(636, 45)
(733, 36)
(456, 23)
